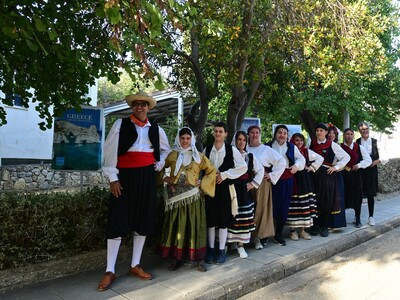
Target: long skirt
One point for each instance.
(369, 181)
(243, 224)
(135, 209)
(352, 189)
(326, 191)
(184, 232)
(263, 217)
(303, 206)
(338, 217)
(281, 195)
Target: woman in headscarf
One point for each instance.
(240, 231)
(283, 190)
(274, 166)
(303, 206)
(184, 232)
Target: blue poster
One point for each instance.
(77, 143)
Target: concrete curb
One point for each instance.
(246, 282)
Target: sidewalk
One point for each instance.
(231, 280)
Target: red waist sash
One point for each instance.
(135, 160)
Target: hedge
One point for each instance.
(38, 227)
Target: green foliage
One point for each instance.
(51, 51)
(39, 227)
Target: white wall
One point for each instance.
(390, 142)
(22, 138)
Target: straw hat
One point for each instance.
(141, 96)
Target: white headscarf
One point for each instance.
(185, 156)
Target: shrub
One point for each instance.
(39, 227)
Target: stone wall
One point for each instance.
(389, 176)
(42, 177)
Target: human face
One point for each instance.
(140, 109)
(254, 137)
(281, 136)
(298, 141)
(241, 142)
(219, 134)
(331, 135)
(364, 131)
(348, 137)
(321, 134)
(185, 140)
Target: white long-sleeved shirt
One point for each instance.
(299, 160)
(341, 157)
(142, 144)
(366, 158)
(316, 159)
(269, 157)
(217, 158)
(367, 144)
(258, 170)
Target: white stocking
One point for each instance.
(222, 235)
(211, 237)
(138, 243)
(112, 253)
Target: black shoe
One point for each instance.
(264, 241)
(358, 224)
(279, 240)
(314, 230)
(210, 257)
(324, 232)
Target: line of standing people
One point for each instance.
(227, 194)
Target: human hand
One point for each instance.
(115, 188)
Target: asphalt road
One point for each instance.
(368, 271)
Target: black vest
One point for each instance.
(128, 136)
(228, 162)
(375, 154)
(289, 152)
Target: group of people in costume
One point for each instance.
(233, 194)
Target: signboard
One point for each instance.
(247, 122)
(77, 143)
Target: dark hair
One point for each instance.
(221, 124)
(322, 126)
(348, 129)
(335, 131)
(185, 130)
(297, 134)
(252, 127)
(239, 133)
(279, 127)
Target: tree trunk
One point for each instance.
(309, 122)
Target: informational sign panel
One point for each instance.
(247, 122)
(77, 143)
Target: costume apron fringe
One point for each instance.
(181, 200)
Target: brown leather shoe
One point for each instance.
(106, 281)
(139, 272)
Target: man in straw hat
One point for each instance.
(134, 150)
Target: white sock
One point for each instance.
(112, 253)
(138, 243)
(222, 235)
(211, 237)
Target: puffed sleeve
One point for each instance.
(258, 170)
(111, 152)
(208, 181)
